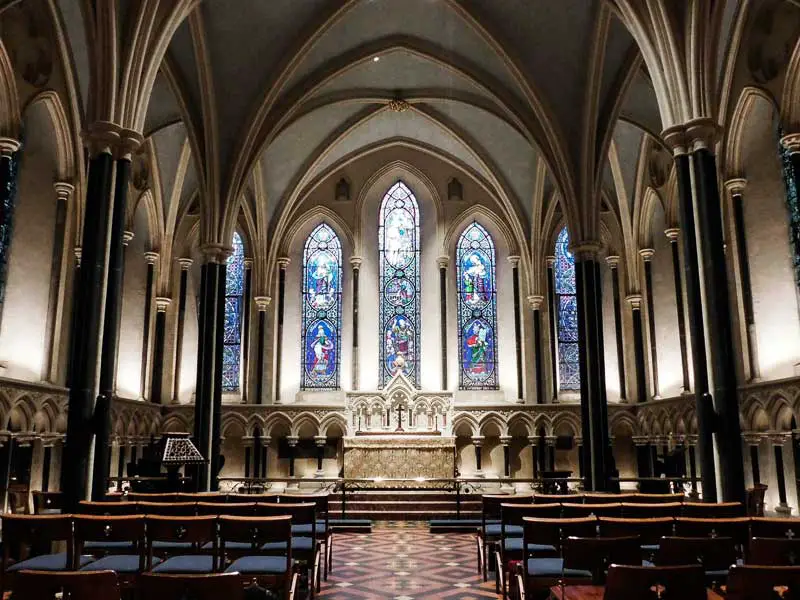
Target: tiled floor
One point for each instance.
(402, 561)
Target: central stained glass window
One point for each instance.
(477, 309)
(569, 374)
(232, 338)
(322, 309)
(398, 245)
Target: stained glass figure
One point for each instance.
(232, 335)
(477, 309)
(793, 206)
(569, 375)
(398, 245)
(322, 309)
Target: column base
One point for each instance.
(480, 474)
(293, 485)
(783, 509)
(319, 473)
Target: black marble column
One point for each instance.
(442, 263)
(320, 442)
(216, 428)
(185, 264)
(477, 442)
(647, 258)
(9, 162)
(693, 468)
(753, 442)
(552, 309)
(534, 459)
(265, 456)
(673, 234)
(151, 258)
(514, 260)
(777, 444)
(283, 263)
(159, 341)
(594, 407)
(257, 453)
(292, 441)
(535, 303)
(247, 300)
(643, 458)
(355, 263)
(613, 264)
(635, 301)
(551, 453)
(262, 303)
(736, 188)
(579, 443)
(506, 443)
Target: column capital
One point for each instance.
(791, 142)
(550, 260)
(587, 250)
(691, 136)
(635, 300)
(505, 440)
(151, 258)
(64, 190)
(283, 262)
(477, 440)
(535, 302)
(101, 137)
(578, 440)
(292, 440)
(647, 254)
(8, 146)
(78, 253)
(752, 439)
(778, 438)
(248, 263)
(129, 142)
(355, 262)
(215, 253)
(735, 185)
(162, 303)
(533, 440)
(613, 261)
(672, 234)
(550, 440)
(444, 261)
(185, 263)
(262, 302)
(127, 237)
(514, 260)
(640, 440)
(320, 440)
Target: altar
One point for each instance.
(399, 457)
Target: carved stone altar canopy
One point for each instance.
(399, 408)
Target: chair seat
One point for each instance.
(298, 543)
(101, 546)
(319, 528)
(515, 545)
(253, 565)
(171, 546)
(119, 563)
(496, 529)
(553, 567)
(650, 547)
(188, 563)
(49, 562)
(230, 546)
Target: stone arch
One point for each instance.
(493, 421)
(521, 421)
(277, 420)
(331, 421)
(568, 422)
(749, 99)
(465, 422)
(64, 143)
(314, 217)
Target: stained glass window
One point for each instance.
(477, 309)
(322, 309)
(793, 205)
(569, 376)
(232, 337)
(398, 245)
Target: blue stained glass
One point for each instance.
(398, 246)
(322, 309)
(232, 334)
(793, 205)
(477, 309)
(569, 376)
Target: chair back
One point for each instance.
(596, 554)
(321, 500)
(197, 587)
(557, 498)
(490, 504)
(569, 510)
(737, 528)
(776, 552)
(512, 514)
(715, 554)
(641, 510)
(650, 531)
(256, 531)
(774, 527)
(685, 582)
(252, 498)
(302, 513)
(86, 507)
(606, 498)
(48, 585)
(153, 497)
(236, 509)
(197, 531)
(35, 531)
(538, 530)
(710, 510)
(748, 582)
(202, 497)
(111, 528)
(46, 502)
(755, 500)
(176, 509)
(656, 498)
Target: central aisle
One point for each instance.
(402, 561)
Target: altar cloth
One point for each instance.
(399, 457)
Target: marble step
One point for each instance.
(397, 505)
(406, 515)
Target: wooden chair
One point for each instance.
(755, 500)
(589, 498)
(737, 528)
(125, 534)
(596, 554)
(685, 582)
(153, 497)
(202, 497)
(748, 582)
(198, 587)
(657, 498)
(641, 510)
(188, 544)
(569, 510)
(250, 498)
(261, 566)
(86, 507)
(234, 509)
(715, 554)
(775, 552)
(649, 531)
(709, 510)
(490, 525)
(174, 509)
(48, 585)
(775, 527)
(322, 529)
(47, 503)
(559, 498)
(305, 546)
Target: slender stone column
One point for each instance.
(647, 258)
(551, 452)
(535, 303)
(672, 235)
(635, 301)
(442, 263)
(8, 193)
(266, 441)
(505, 440)
(292, 441)
(477, 442)
(156, 384)
(643, 468)
(514, 260)
(58, 275)
(262, 303)
(777, 444)
(355, 263)
(152, 259)
(735, 188)
(283, 263)
(692, 443)
(553, 311)
(753, 442)
(579, 444)
(185, 264)
(320, 442)
(247, 301)
(532, 442)
(613, 264)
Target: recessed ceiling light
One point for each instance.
(376, 59)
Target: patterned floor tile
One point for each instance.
(403, 561)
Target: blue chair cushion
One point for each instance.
(49, 562)
(650, 547)
(258, 564)
(515, 545)
(319, 528)
(298, 543)
(496, 529)
(230, 546)
(188, 563)
(101, 546)
(552, 567)
(171, 546)
(119, 563)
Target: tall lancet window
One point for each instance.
(477, 309)
(793, 205)
(232, 338)
(322, 309)
(398, 245)
(569, 375)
